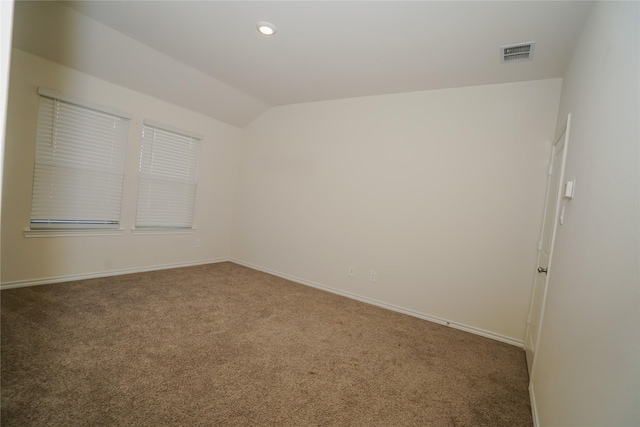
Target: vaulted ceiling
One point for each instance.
(209, 57)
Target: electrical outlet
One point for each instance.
(373, 276)
(197, 243)
(352, 271)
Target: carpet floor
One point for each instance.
(222, 344)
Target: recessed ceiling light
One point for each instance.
(266, 28)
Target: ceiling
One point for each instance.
(322, 49)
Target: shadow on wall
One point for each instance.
(55, 34)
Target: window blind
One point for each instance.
(167, 182)
(79, 166)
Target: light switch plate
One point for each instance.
(569, 188)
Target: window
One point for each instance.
(79, 164)
(168, 171)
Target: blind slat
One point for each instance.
(79, 166)
(167, 183)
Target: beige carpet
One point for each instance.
(223, 344)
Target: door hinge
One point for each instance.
(540, 245)
(550, 169)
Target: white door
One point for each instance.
(545, 246)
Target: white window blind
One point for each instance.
(79, 165)
(167, 183)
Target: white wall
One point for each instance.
(25, 259)
(587, 368)
(440, 192)
(53, 31)
(6, 25)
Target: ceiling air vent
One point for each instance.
(517, 52)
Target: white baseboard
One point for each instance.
(59, 279)
(534, 408)
(455, 325)
(435, 319)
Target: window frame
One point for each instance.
(50, 223)
(142, 223)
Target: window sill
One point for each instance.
(73, 233)
(163, 230)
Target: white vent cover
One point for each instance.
(517, 52)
